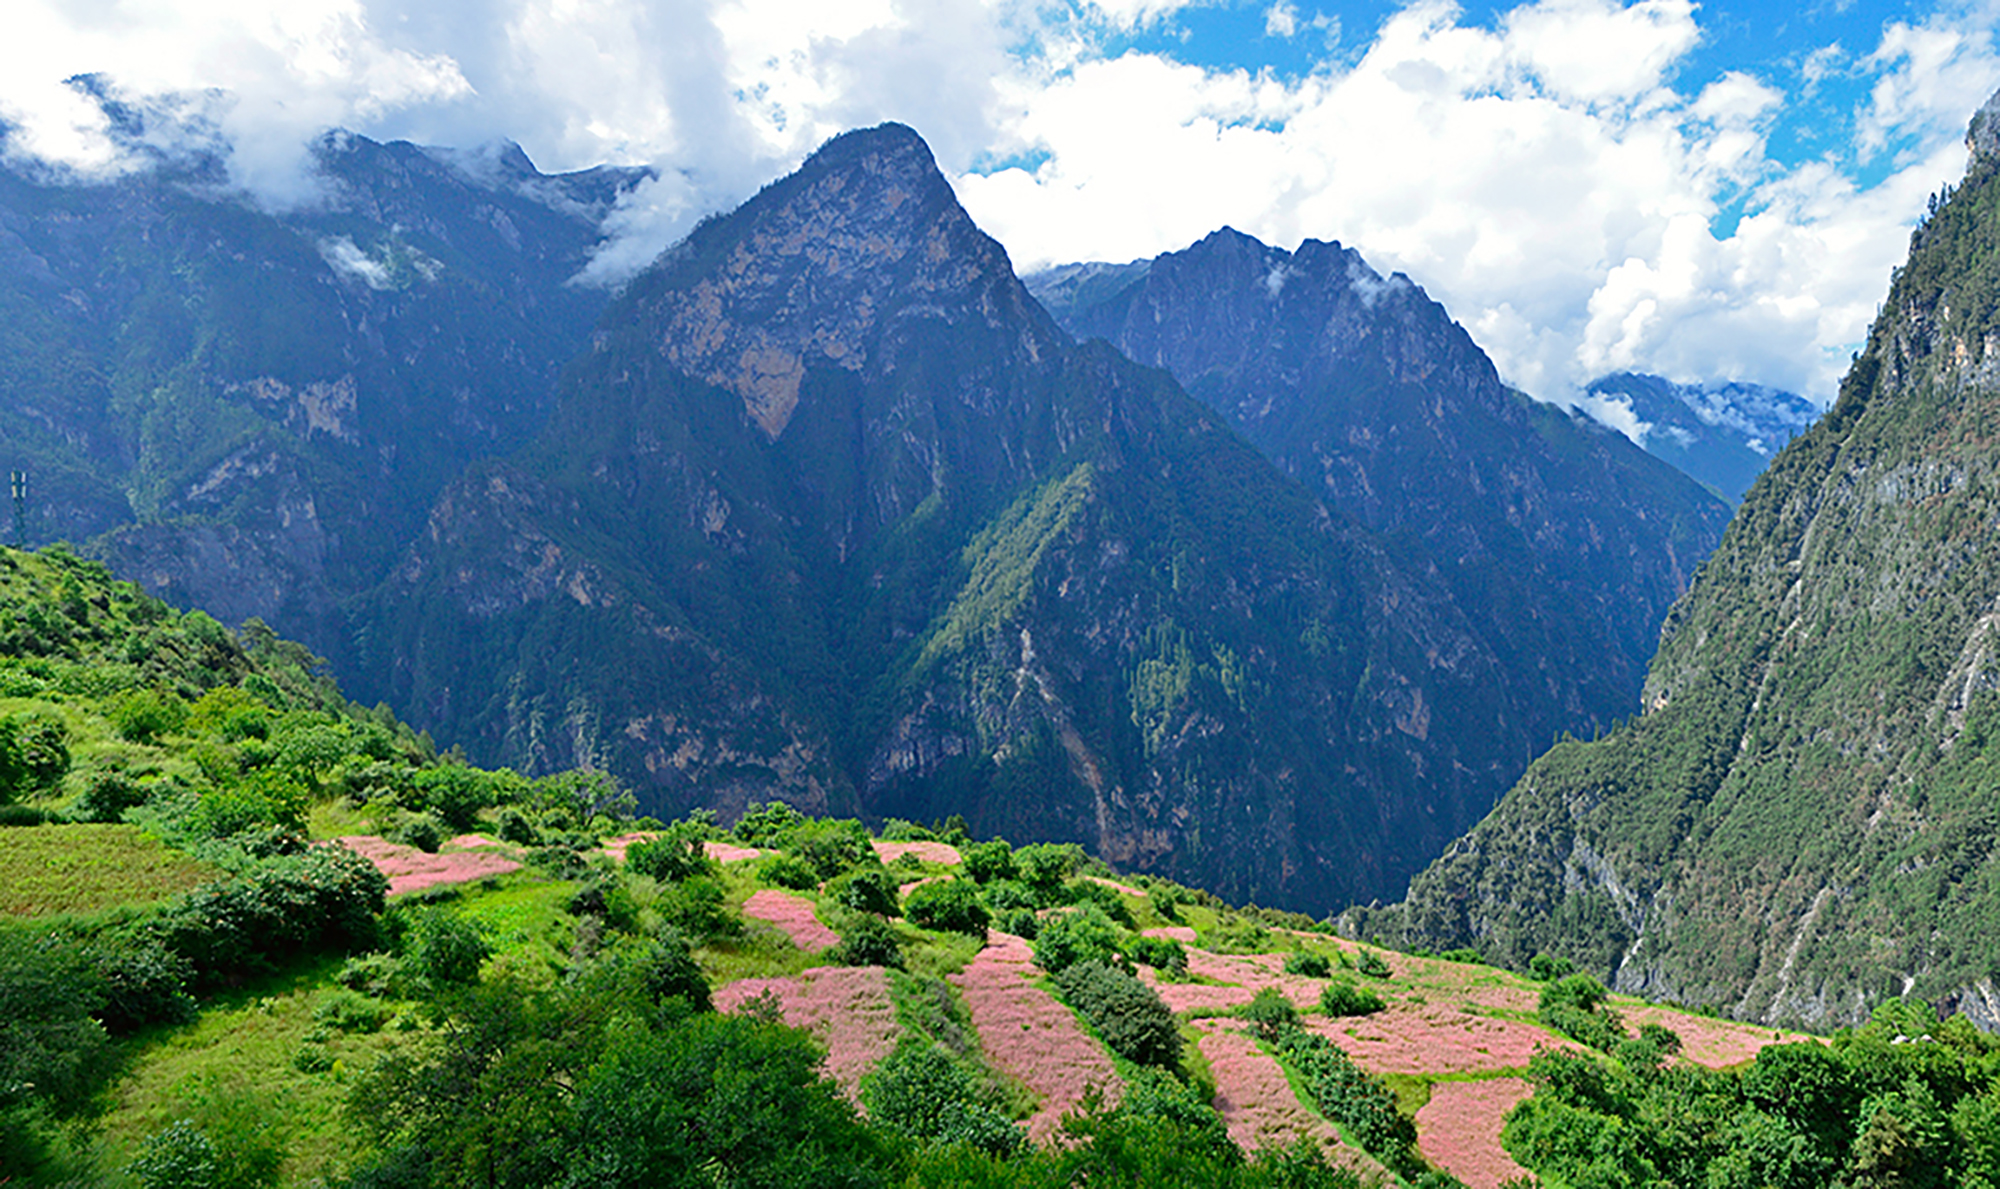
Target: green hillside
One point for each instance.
(1802, 823)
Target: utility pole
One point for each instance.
(20, 482)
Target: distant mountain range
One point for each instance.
(827, 507)
(1722, 434)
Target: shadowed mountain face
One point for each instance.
(252, 412)
(833, 511)
(1803, 822)
(1720, 435)
(1562, 542)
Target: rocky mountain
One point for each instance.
(1803, 822)
(1563, 543)
(834, 511)
(1722, 435)
(252, 412)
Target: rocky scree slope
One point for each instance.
(1563, 543)
(251, 412)
(834, 512)
(1803, 822)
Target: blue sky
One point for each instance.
(1710, 192)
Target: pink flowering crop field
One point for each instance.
(793, 914)
(847, 1007)
(929, 852)
(1459, 1129)
(410, 869)
(1705, 1041)
(729, 852)
(1023, 1031)
(1252, 1095)
(1414, 1038)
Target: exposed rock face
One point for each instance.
(1801, 823)
(834, 512)
(252, 413)
(1563, 544)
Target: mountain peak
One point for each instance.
(827, 268)
(1983, 135)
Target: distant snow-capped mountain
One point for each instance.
(1722, 435)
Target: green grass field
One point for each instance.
(46, 870)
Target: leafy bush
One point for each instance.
(668, 971)
(920, 1092)
(870, 890)
(1574, 1005)
(371, 974)
(420, 830)
(143, 715)
(447, 949)
(107, 794)
(454, 793)
(989, 861)
(1128, 1014)
(351, 1011)
(230, 714)
(1161, 953)
(609, 899)
(177, 1157)
(833, 847)
(697, 907)
(1008, 894)
(768, 825)
(869, 941)
(1370, 963)
(1166, 901)
(1080, 935)
(1111, 902)
(788, 871)
(1360, 1102)
(1021, 922)
(326, 898)
(947, 905)
(1548, 968)
(143, 982)
(1270, 1012)
(262, 798)
(1046, 865)
(1342, 998)
(677, 854)
(518, 828)
(1308, 964)
(34, 754)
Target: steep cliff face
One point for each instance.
(834, 512)
(251, 412)
(1803, 822)
(1563, 543)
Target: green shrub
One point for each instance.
(326, 898)
(832, 847)
(1342, 998)
(1575, 1005)
(518, 828)
(107, 794)
(869, 941)
(1466, 954)
(371, 974)
(1166, 901)
(1046, 865)
(447, 949)
(351, 1011)
(1021, 922)
(788, 871)
(1548, 968)
(1308, 964)
(143, 715)
(229, 714)
(1270, 1012)
(1110, 901)
(454, 793)
(1080, 935)
(677, 854)
(177, 1157)
(422, 831)
(1128, 1014)
(143, 982)
(697, 907)
(768, 825)
(1360, 1102)
(1163, 954)
(989, 861)
(668, 971)
(34, 754)
(947, 906)
(1370, 963)
(920, 1092)
(1005, 895)
(609, 899)
(870, 890)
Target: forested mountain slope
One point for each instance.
(1562, 542)
(1804, 820)
(251, 412)
(834, 512)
